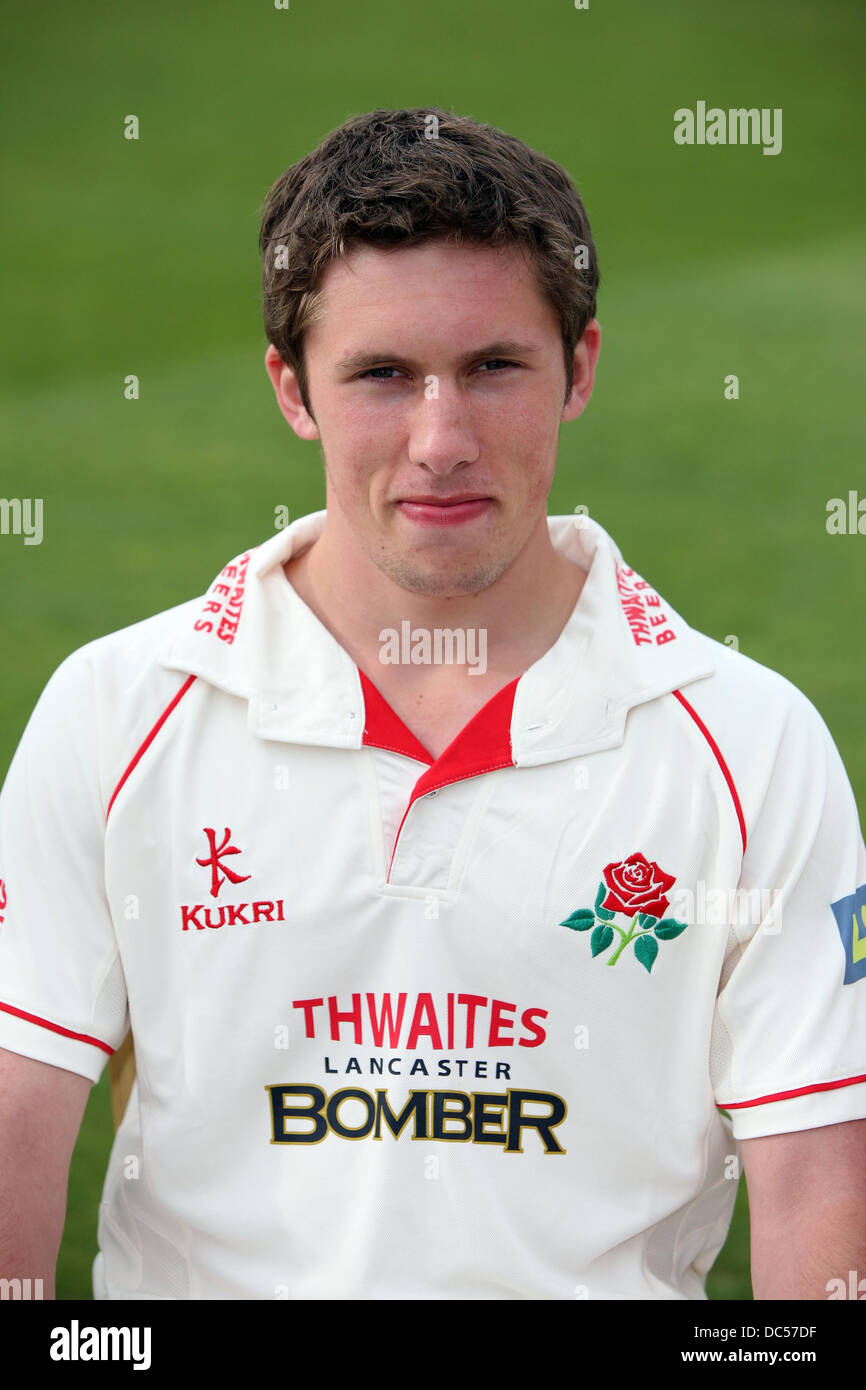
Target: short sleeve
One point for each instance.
(789, 1035)
(62, 988)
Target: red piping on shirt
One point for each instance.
(787, 1095)
(56, 1028)
(149, 740)
(719, 759)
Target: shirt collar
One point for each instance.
(623, 645)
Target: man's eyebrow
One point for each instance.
(358, 361)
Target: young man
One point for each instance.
(439, 976)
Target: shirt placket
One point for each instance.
(443, 800)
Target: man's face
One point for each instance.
(436, 372)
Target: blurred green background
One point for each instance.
(140, 257)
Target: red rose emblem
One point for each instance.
(637, 885)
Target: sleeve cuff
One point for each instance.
(45, 1041)
(827, 1103)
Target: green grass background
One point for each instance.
(140, 257)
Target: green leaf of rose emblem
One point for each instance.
(668, 928)
(599, 899)
(646, 948)
(581, 920)
(601, 939)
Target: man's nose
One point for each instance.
(442, 433)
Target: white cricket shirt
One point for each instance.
(413, 1029)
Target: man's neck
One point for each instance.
(522, 613)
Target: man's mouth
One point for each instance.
(431, 510)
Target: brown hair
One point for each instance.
(392, 178)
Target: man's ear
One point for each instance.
(585, 358)
(288, 395)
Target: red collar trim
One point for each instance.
(384, 729)
(481, 746)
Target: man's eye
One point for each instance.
(375, 373)
(373, 370)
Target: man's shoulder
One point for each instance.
(758, 725)
(738, 690)
(129, 649)
(742, 684)
(120, 683)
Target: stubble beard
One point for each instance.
(456, 580)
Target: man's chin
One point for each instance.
(446, 582)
